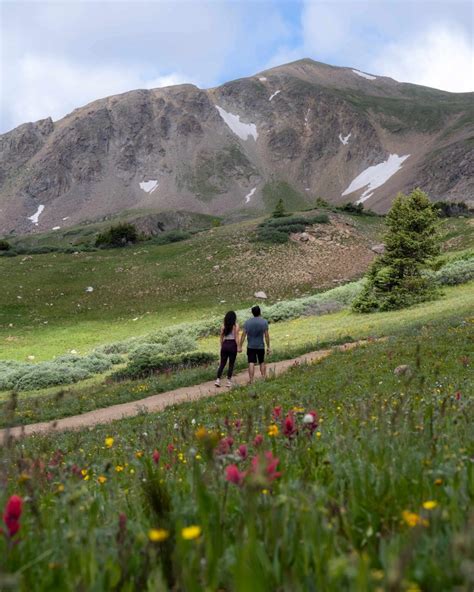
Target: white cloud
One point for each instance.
(49, 86)
(441, 58)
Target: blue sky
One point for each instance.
(56, 56)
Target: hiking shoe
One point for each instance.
(229, 383)
(218, 382)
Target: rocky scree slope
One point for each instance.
(300, 130)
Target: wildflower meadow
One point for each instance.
(344, 475)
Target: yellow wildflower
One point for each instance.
(138, 453)
(272, 430)
(198, 457)
(298, 409)
(412, 519)
(109, 442)
(191, 532)
(430, 505)
(119, 468)
(438, 481)
(60, 488)
(318, 434)
(101, 479)
(201, 433)
(158, 535)
(265, 491)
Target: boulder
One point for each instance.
(379, 249)
(403, 370)
(260, 294)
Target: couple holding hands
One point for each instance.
(255, 330)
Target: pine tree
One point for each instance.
(279, 211)
(396, 278)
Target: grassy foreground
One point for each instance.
(250, 491)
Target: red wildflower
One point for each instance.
(233, 475)
(238, 424)
(225, 445)
(289, 426)
(258, 440)
(457, 395)
(170, 448)
(276, 412)
(266, 466)
(12, 514)
(156, 456)
(243, 451)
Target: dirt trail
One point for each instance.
(160, 401)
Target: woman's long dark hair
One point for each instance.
(229, 321)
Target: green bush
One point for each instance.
(148, 364)
(179, 344)
(278, 230)
(172, 236)
(118, 236)
(455, 272)
(355, 208)
(5, 245)
(62, 370)
(448, 209)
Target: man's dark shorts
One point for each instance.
(255, 354)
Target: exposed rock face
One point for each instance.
(315, 127)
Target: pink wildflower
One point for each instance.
(12, 514)
(233, 475)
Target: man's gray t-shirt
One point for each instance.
(255, 329)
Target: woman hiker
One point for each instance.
(229, 346)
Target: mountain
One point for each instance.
(302, 130)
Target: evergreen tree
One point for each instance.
(396, 278)
(279, 211)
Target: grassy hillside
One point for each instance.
(370, 493)
(45, 309)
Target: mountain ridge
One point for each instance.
(320, 129)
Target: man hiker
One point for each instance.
(256, 330)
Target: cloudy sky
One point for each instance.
(56, 56)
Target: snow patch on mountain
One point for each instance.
(375, 176)
(241, 129)
(262, 79)
(346, 139)
(149, 186)
(364, 75)
(35, 217)
(274, 94)
(249, 195)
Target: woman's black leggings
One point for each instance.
(228, 353)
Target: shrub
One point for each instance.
(172, 236)
(147, 365)
(279, 210)
(146, 349)
(355, 208)
(48, 374)
(319, 219)
(118, 236)
(395, 279)
(4, 245)
(455, 272)
(278, 230)
(447, 209)
(180, 343)
(62, 370)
